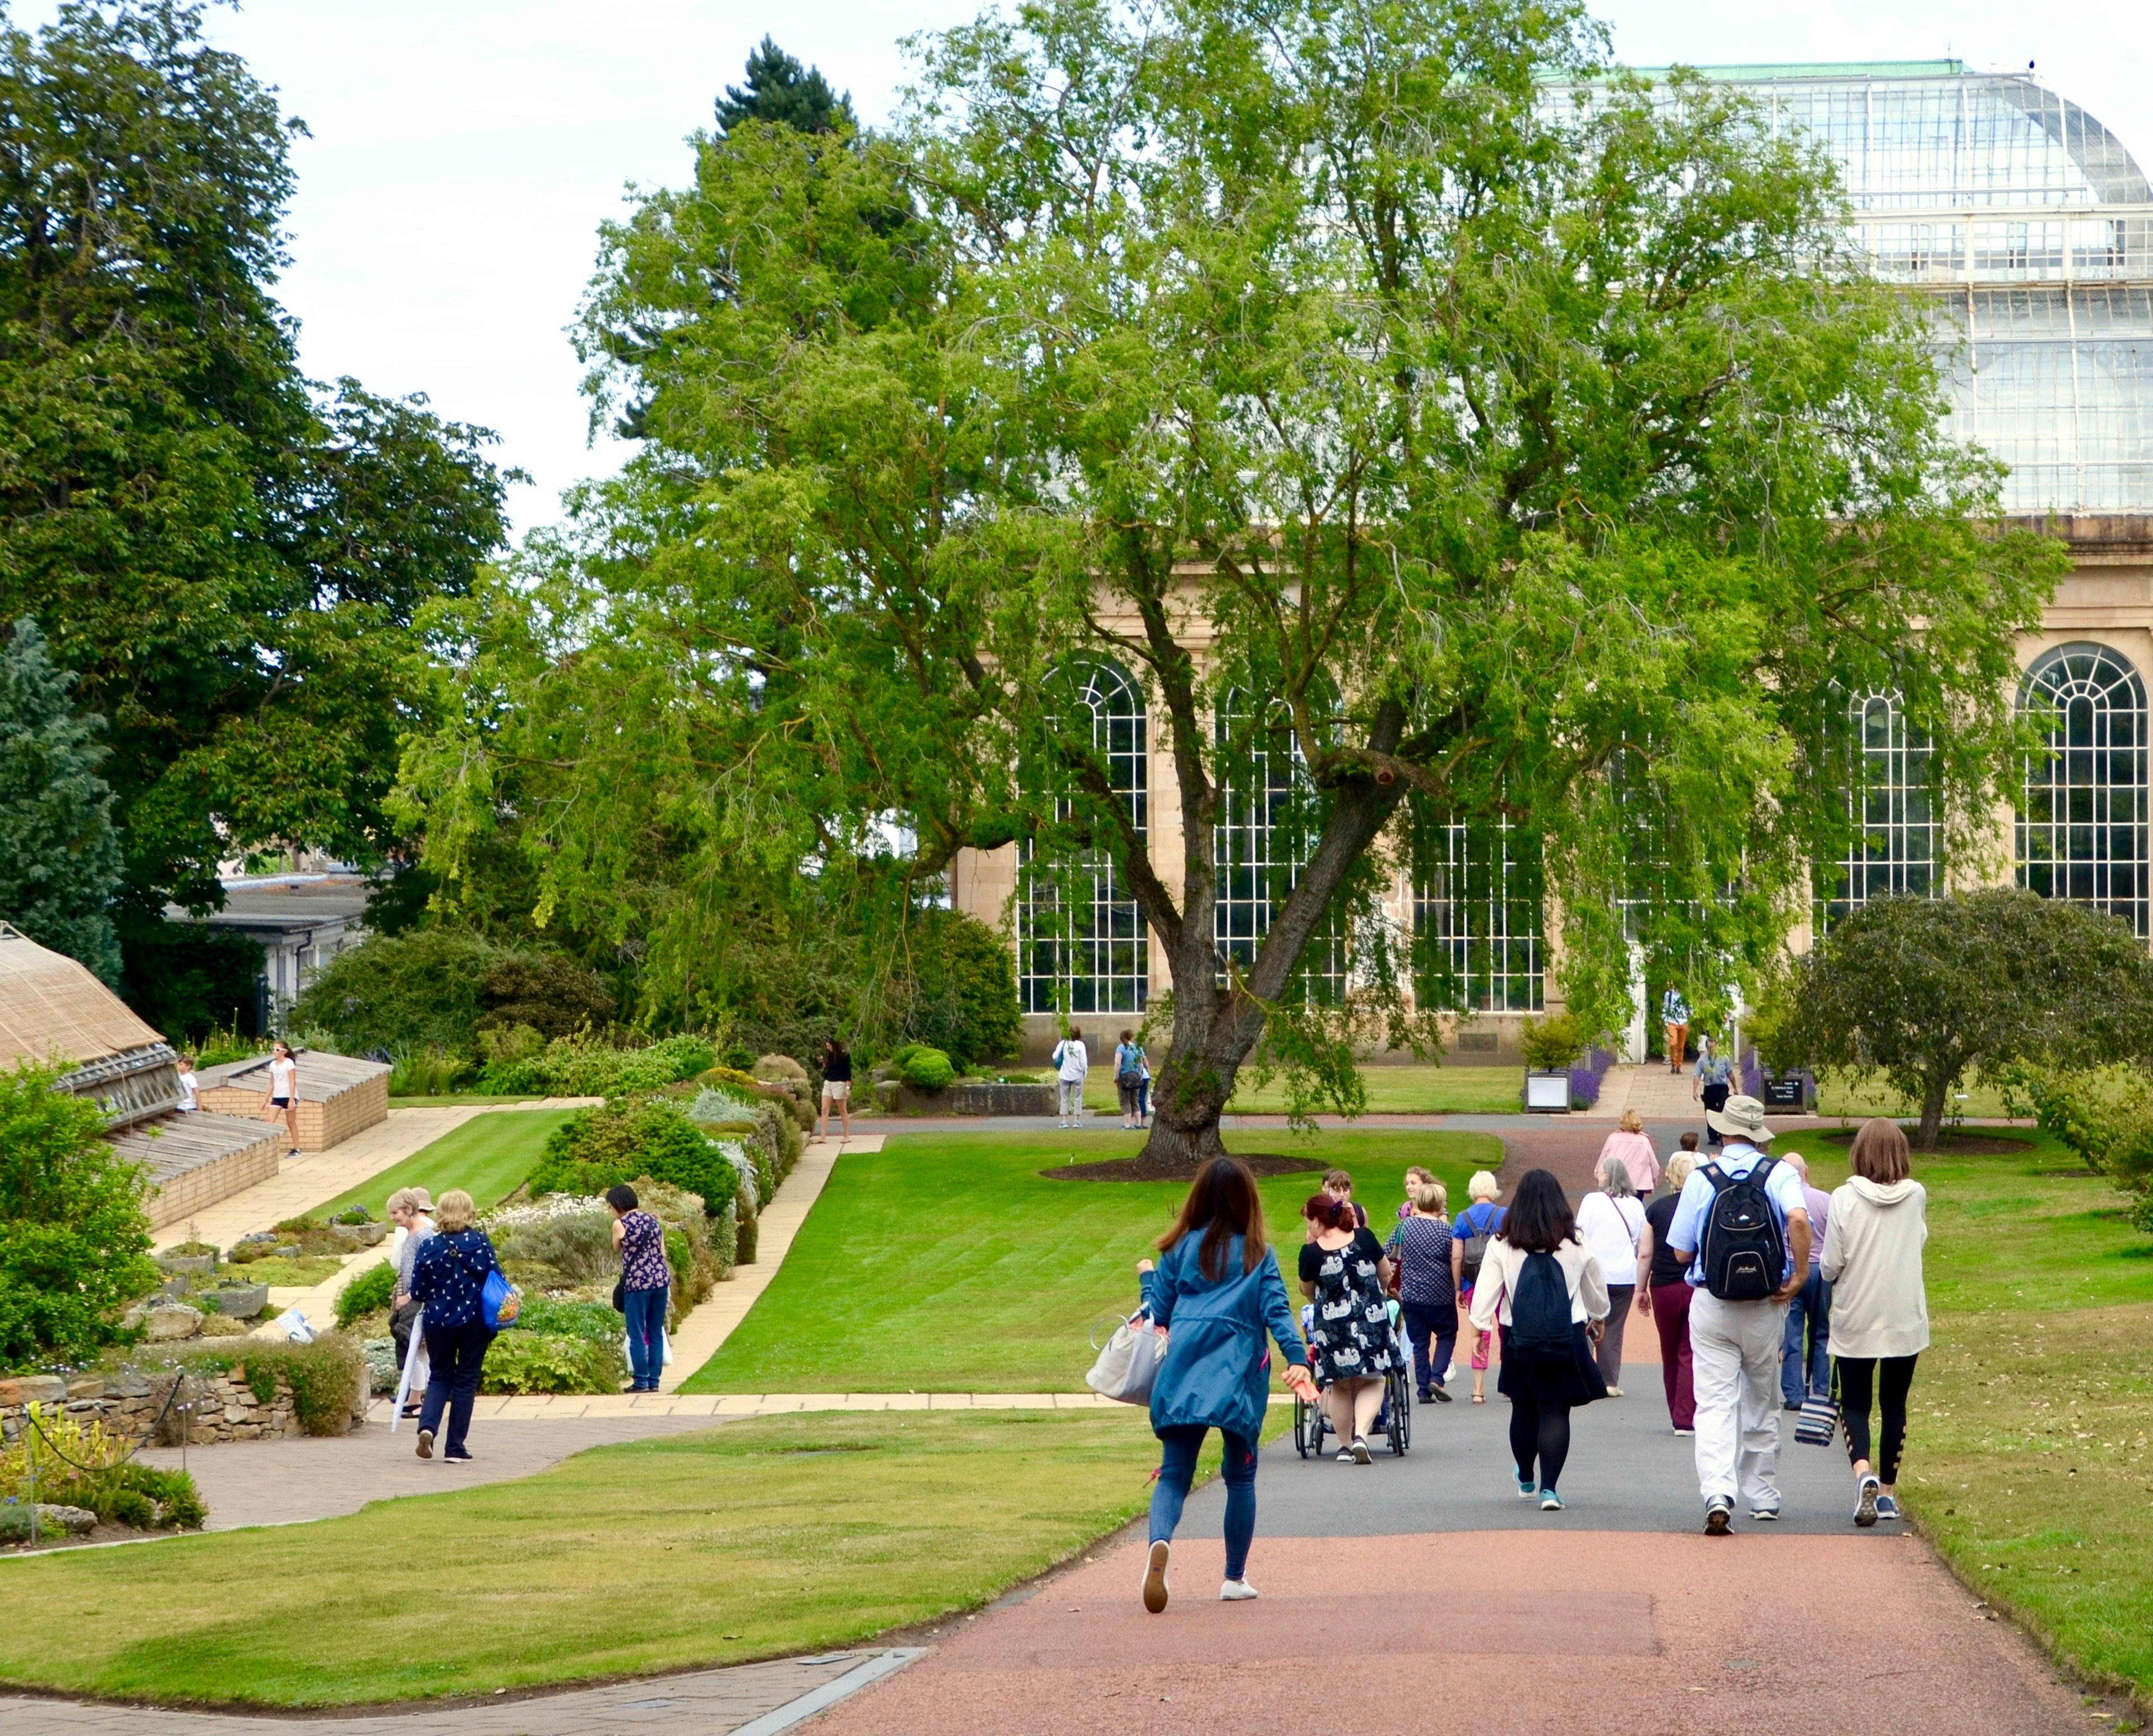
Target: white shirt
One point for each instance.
(280, 1078)
(1498, 1276)
(188, 1101)
(1075, 1061)
(1610, 1228)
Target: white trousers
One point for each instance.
(1073, 1098)
(1734, 1351)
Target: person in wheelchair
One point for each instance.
(1353, 1345)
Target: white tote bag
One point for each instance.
(1128, 1361)
(418, 1370)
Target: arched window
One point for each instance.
(1265, 831)
(1477, 916)
(1082, 944)
(2082, 818)
(1888, 798)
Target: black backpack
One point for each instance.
(1745, 1249)
(1540, 1312)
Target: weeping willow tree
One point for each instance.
(1511, 432)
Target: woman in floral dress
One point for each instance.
(1343, 1271)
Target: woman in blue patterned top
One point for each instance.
(447, 1275)
(646, 1283)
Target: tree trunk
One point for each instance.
(1932, 1113)
(1192, 1088)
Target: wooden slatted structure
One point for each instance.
(338, 1094)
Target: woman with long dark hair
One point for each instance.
(1214, 1292)
(1542, 1286)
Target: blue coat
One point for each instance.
(1217, 1370)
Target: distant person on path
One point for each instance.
(1541, 1286)
(410, 1210)
(1214, 1292)
(1714, 1081)
(1343, 1271)
(1742, 1229)
(1808, 1315)
(1612, 1221)
(1674, 1020)
(447, 1275)
(281, 1100)
(1072, 1062)
(646, 1285)
(1129, 1074)
(836, 1086)
(1470, 1235)
(1420, 1249)
(1664, 1294)
(1633, 1146)
(190, 1086)
(1879, 1325)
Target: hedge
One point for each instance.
(596, 1148)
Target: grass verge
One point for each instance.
(487, 1156)
(757, 1540)
(2027, 1453)
(1391, 1091)
(946, 1262)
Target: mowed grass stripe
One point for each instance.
(488, 1157)
(756, 1539)
(948, 1263)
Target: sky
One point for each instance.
(462, 153)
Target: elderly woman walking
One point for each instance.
(1215, 1292)
(1632, 1148)
(448, 1277)
(1880, 1325)
(411, 1211)
(1612, 1222)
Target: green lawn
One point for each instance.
(947, 1263)
(487, 1156)
(761, 1539)
(1860, 1097)
(2027, 1460)
(1391, 1091)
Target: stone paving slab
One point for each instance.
(755, 1698)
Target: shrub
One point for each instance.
(74, 1240)
(594, 1320)
(578, 1246)
(585, 1066)
(929, 1070)
(81, 1465)
(962, 994)
(421, 990)
(554, 1363)
(545, 993)
(773, 1068)
(1552, 1043)
(427, 1072)
(750, 1091)
(372, 1290)
(326, 1378)
(195, 984)
(597, 1148)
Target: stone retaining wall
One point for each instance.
(225, 1408)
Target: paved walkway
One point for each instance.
(712, 1320)
(755, 1699)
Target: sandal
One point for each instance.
(1479, 1399)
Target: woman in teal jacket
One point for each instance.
(1215, 1291)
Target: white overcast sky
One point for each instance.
(464, 152)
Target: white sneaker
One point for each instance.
(1864, 1502)
(1154, 1579)
(1236, 1591)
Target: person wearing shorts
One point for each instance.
(837, 1087)
(281, 1100)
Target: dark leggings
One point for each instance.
(1539, 1430)
(1177, 1470)
(1855, 1375)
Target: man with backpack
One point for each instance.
(1741, 1226)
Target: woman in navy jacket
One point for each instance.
(448, 1277)
(1215, 1290)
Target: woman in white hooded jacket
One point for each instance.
(1880, 1309)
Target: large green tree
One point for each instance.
(60, 861)
(1382, 383)
(229, 557)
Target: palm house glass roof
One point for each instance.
(2030, 227)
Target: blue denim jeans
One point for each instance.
(1809, 1313)
(1177, 1470)
(646, 1344)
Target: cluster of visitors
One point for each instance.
(1764, 1292)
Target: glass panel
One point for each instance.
(1476, 910)
(2081, 821)
(1266, 829)
(1888, 798)
(1092, 954)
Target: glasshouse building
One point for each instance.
(2026, 227)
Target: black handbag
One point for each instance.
(620, 1294)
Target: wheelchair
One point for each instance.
(1394, 1421)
